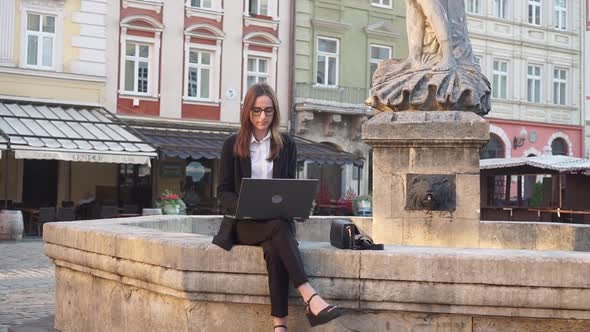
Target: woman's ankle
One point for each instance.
(279, 320)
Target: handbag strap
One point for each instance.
(364, 242)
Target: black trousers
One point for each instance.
(283, 261)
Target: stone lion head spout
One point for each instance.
(430, 192)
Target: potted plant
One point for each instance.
(171, 203)
(345, 203)
(363, 205)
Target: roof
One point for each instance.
(69, 132)
(190, 141)
(562, 164)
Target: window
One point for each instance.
(559, 86)
(500, 8)
(259, 7)
(198, 186)
(327, 62)
(40, 41)
(473, 6)
(140, 57)
(535, 12)
(478, 59)
(560, 15)
(500, 79)
(377, 53)
(201, 3)
(137, 68)
(381, 3)
(534, 84)
(257, 71)
(559, 147)
(494, 149)
(199, 74)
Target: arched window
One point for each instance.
(494, 149)
(559, 147)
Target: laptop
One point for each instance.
(261, 199)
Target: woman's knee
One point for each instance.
(279, 226)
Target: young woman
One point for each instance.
(259, 150)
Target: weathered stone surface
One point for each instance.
(540, 236)
(390, 230)
(168, 276)
(478, 266)
(494, 324)
(474, 295)
(426, 143)
(468, 196)
(433, 230)
(432, 126)
(427, 160)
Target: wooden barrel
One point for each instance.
(151, 212)
(11, 225)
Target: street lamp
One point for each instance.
(518, 141)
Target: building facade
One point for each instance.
(53, 73)
(586, 78)
(338, 46)
(199, 67)
(532, 52)
(183, 70)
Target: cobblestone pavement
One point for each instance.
(27, 282)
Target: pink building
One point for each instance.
(514, 139)
(183, 68)
(194, 60)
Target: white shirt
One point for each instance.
(259, 152)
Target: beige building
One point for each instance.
(532, 52)
(58, 143)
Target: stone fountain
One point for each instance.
(442, 270)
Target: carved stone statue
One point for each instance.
(440, 72)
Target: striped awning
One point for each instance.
(184, 142)
(69, 132)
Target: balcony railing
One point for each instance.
(332, 96)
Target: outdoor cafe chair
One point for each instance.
(46, 214)
(67, 204)
(4, 203)
(130, 209)
(107, 212)
(66, 214)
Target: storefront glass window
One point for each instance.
(198, 187)
(135, 186)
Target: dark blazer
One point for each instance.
(231, 171)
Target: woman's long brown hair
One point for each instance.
(242, 146)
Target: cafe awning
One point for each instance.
(69, 132)
(561, 164)
(184, 142)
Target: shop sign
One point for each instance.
(170, 169)
(82, 157)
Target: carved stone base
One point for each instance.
(426, 177)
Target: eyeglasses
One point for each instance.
(269, 111)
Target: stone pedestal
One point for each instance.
(410, 152)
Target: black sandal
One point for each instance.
(279, 326)
(326, 315)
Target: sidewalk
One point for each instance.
(27, 282)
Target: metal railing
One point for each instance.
(331, 95)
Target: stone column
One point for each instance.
(426, 154)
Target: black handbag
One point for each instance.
(345, 235)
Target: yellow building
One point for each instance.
(59, 143)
